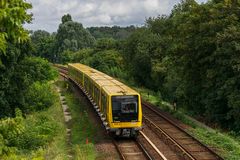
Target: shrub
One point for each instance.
(39, 130)
(39, 96)
(34, 69)
(10, 129)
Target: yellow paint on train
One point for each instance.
(119, 106)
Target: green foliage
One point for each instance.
(82, 127)
(115, 32)
(17, 75)
(39, 130)
(190, 56)
(142, 56)
(13, 48)
(66, 56)
(230, 145)
(17, 78)
(30, 137)
(39, 96)
(84, 151)
(71, 36)
(104, 44)
(104, 57)
(66, 18)
(201, 46)
(43, 44)
(82, 55)
(12, 15)
(10, 129)
(34, 69)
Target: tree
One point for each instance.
(71, 36)
(66, 18)
(202, 52)
(192, 55)
(140, 56)
(105, 44)
(115, 32)
(12, 15)
(43, 44)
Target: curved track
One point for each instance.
(184, 145)
(129, 149)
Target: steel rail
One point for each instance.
(153, 146)
(168, 137)
(150, 106)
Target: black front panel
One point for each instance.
(125, 108)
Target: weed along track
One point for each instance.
(67, 119)
(179, 140)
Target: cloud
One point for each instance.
(47, 13)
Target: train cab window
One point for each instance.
(125, 108)
(129, 107)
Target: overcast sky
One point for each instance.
(47, 13)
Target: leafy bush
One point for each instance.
(18, 134)
(10, 129)
(39, 96)
(16, 80)
(39, 129)
(34, 69)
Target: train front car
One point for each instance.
(126, 115)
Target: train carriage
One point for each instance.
(118, 105)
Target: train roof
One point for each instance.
(104, 81)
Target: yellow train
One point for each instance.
(118, 105)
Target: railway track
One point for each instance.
(184, 146)
(177, 138)
(141, 148)
(62, 70)
(128, 149)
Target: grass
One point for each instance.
(58, 148)
(228, 146)
(83, 129)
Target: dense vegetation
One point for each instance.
(190, 56)
(199, 48)
(115, 32)
(27, 122)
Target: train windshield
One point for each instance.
(125, 108)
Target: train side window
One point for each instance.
(87, 84)
(91, 88)
(98, 96)
(95, 94)
(104, 103)
(81, 78)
